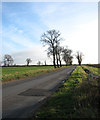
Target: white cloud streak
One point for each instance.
(78, 28)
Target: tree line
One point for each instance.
(52, 39)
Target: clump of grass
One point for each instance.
(75, 99)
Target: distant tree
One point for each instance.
(28, 60)
(52, 39)
(67, 57)
(15, 64)
(45, 63)
(39, 63)
(79, 56)
(8, 60)
(70, 60)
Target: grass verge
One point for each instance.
(75, 99)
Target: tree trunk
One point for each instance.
(27, 63)
(60, 63)
(60, 60)
(57, 61)
(79, 63)
(54, 64)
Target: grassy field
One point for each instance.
(77, 98)
(16, 73)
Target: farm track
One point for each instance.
(22, 98)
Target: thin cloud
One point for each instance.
(22, 28)
(36, 54)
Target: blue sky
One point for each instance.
(23, 24)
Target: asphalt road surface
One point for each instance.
(21, 98)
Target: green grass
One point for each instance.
(16, 73)
(75, 99)
(94, 70)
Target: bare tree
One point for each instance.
(39, 63)
(28, 60)
(67, 57)
(79, 56)
(45, 63)
(70, 60)
(8, 60)
(52, 39)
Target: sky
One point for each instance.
(23, 23)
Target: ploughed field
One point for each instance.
(94, 65)
(16, 73)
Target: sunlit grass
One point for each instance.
(16, 73)
(77, 98)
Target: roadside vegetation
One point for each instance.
(77, 98)
(93, 70)
(16, 73)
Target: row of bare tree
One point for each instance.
(8, 61)
(51, 39)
